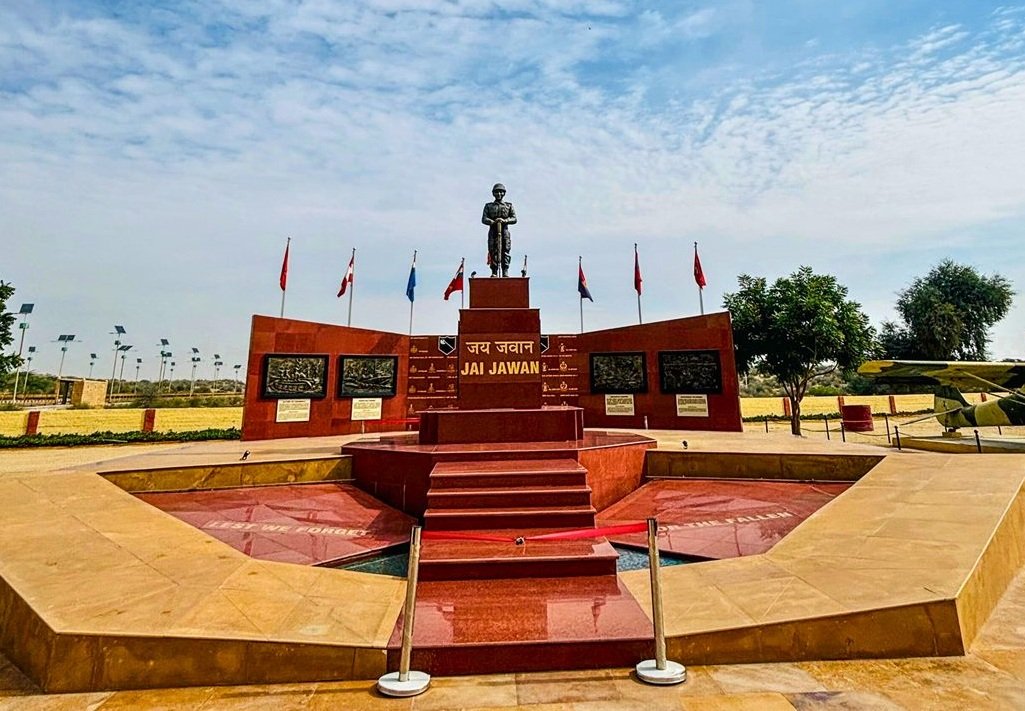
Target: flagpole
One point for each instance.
(580, 266)
(413, 266)
(462, 292)
(701, 293)
(284, 287)
(352, 285)
(637, 285)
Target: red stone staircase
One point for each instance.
(510, 499)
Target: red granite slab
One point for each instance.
(307, 524)
(528, 624)
(720, 519)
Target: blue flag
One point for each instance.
(411, 284)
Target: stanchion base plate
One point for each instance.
(674, 673)
(415, 683)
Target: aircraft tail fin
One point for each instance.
(948, 398)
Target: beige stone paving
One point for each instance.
(991, 676)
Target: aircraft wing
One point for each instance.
(963, 375)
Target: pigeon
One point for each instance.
(245, 456)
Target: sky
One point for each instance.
(154, 157)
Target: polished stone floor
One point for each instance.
(990, 677)
(719, 519)
(306, 524)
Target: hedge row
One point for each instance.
(76, 440)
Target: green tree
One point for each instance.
(7, 362)
(947, 314)
(801, 327)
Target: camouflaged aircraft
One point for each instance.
(949, 378)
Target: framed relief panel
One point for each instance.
(367, 375)
(623, 373)
(294, 376)
(696, 372)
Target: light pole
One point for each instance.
(237, 367)
(118, 332)
(217, 366)
(138, 365)
(164, 355)
(195, 362)
(92, 362)
(123, 350)
(170, 377)
(65, 340)
(25, 310)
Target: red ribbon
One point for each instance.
(576, 534)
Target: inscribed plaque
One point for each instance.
(367, 376)
(619, 373)
(366, 408)
(692, 406)
(619, 404)
(696, 372)
(297, 410)
(294, 376)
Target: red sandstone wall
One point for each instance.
(330, 415)
(565, 374)
(713, 331)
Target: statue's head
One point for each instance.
(498, 191)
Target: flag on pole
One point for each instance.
(347, 279)
(283, 279)
(637, 271)
(457, 281)
(585, 293)
(411, 284)
(699, 275)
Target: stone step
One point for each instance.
(509, 497)
(535, 473)
(481, 560)
(522, 517)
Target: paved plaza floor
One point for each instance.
(990, 676)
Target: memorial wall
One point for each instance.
(308, 379)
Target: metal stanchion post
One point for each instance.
(978, 442)
(843, 431)
(658, 670)
(886, 419)
(896, 436)
(1000, 430)
(405, 682)
(827, 428)
(766, 425)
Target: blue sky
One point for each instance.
(153, 159)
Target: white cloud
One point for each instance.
(159, 171)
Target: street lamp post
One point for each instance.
(217, 366)
(164, 355)
(123, 350)
(171, 376)
(138, 365)
(118, 332)
(65, 340)
(25, 310)
(237, 367)
(92, 362)
(195, 362)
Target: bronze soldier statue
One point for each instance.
(498, 215)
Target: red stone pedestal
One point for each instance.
(550, 424)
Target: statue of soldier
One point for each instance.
(498, 215)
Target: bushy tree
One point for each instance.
(7, 362)
(800, 327)
(947, 314)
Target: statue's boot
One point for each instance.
(494, 273)
(505, 272)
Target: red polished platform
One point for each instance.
(527, 624)
(549, 424)
(308, 524)
(720, 519)
(500, 293)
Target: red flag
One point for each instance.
(347, 279)
(699, 275)
(457, 282)
(283, 280)
(637, 272)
